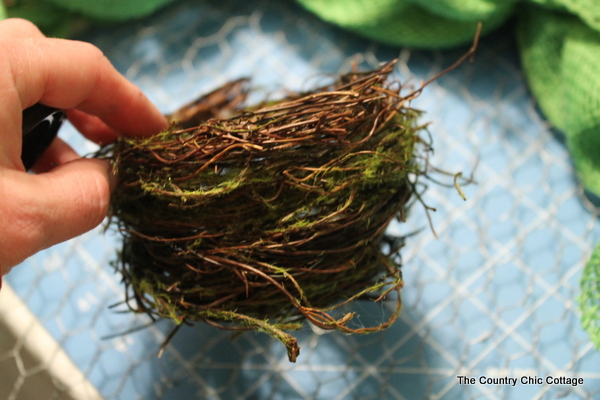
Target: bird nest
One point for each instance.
(263, 217)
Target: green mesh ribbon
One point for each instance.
(418, 23)
(561, 59)
(589, 299)
(559, 41)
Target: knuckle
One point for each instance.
(22, 27)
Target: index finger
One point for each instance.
(70, 74)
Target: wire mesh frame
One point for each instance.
(494, 296)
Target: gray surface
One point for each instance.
(495, 295)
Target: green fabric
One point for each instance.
(111, 10)
(561, 58)
(62, 18)
(587, 10)
(589, 300)
(416, 23)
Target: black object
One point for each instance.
(40, 127)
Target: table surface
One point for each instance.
(495, 295)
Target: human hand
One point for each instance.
(68, 195)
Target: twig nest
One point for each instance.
(273, 215)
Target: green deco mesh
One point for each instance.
(589, 299)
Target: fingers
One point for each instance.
(10, 118)
(69, 74)
(58, 153)
(92, 127)
(70, 195)
(52, 207)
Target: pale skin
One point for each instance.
(68, 195)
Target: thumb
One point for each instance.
(39, 211)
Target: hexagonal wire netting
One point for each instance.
(495, 295)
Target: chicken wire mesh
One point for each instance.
(494, 296)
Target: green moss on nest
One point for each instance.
(272, 216)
